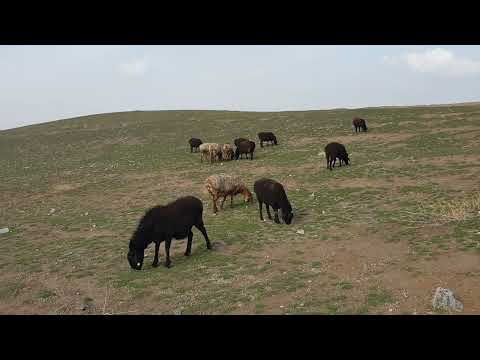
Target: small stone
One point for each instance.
(86, 214)
(177, 312)
(51, 211)
(94, 226)
(87, 304)
(444, 299)
(281, 306)
(301, 231)
(323, 212)
(4, 231)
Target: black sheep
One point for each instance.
(164, 223)
(194, 143)
(333, 151)
(273, 194)
(359, 124)
(239, 140)
(245, 147)
(267, 137)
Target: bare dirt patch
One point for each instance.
(60, 188)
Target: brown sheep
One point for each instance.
(223, 185)
(359, 124)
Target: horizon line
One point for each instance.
(464, 103)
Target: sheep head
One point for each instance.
(135, 259)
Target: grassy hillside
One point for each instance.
(380, 235)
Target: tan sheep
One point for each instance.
(227, 152)
(210, 150)
(223, 185)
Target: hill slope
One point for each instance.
(378, 238)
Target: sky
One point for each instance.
(46, 83)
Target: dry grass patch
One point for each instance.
(442, 212)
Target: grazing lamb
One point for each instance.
(333, 151)
(164, 223)
(267, 137)
(359, 124)
(227, 152)
(194, 143)
(245, 147)
(211, 151)
(273, 194)
(223, 185)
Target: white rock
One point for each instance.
(301, 231)
(444, 299)
(4, 230)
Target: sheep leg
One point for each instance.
(202, 229)
(277, 220)
(168, 263)
(268, 211)
(260, 205)
(215, 209)
(189, 243)
(223, 201)
(231, 200)
(155, 260)
(251, 155)
(261, 143)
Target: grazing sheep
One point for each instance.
(359, 124)
(333, 151)
(238, 141)
(194, 143)
(227, 152)
(223, 185)
(164, 223)
(273, 194)
(245, 147)
(267, 137)
(210, 150)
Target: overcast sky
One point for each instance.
(45, 83)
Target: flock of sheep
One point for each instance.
(175, 220)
